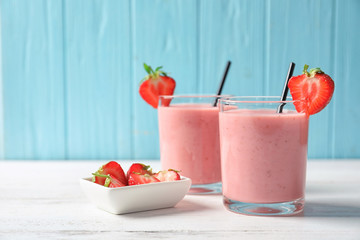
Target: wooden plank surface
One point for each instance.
(52, 206)
(32, 75)
(346, 109)
(98, 99)
(70, 70)
(163, 35)
(304, 37)
(238, 36)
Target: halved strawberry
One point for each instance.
(137, 179)
(111, 181)
(139, 168)
(155, 84)
(167, 175)
(315, 88)
(112, 168)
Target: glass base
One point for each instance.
(206, 189)
(265, 209)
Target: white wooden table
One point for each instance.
(43, 200)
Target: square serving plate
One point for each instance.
(136, 198)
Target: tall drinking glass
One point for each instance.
(263, 155)
(189, 140)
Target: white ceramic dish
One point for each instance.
(136, 198)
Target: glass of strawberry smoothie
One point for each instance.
(263, 155)
(189, 140)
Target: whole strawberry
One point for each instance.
(155, 84)
(315, 90)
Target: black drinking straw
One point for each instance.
(222, 82)
(286, 89)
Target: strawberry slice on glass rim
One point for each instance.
(314, 89)
(155, 84)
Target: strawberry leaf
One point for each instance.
(147, 68)
(305, 71)
(107, 182)
(163, 73)
(158, 68)
(314, 71)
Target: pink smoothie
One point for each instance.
(189, 141)
(263, 155)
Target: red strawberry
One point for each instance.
(316, 88)
(137, 179)
(139, 168)
(111, 181)
(156, 83)
(112, 168)
(167, 175)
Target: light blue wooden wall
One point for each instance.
(70, 69)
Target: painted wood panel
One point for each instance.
(70, 69)
(305, 37)
(2, 142)
(345, 118)
(229, 31)
(164, 34)
(32, 74)
(98, 81)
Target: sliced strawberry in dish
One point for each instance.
(110, 180)
(137, 179)
(155, 84)
(112, 168)
(314, 89)
(139, 168)
(167, 175)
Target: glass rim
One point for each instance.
(257, 99)
(194, 96)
